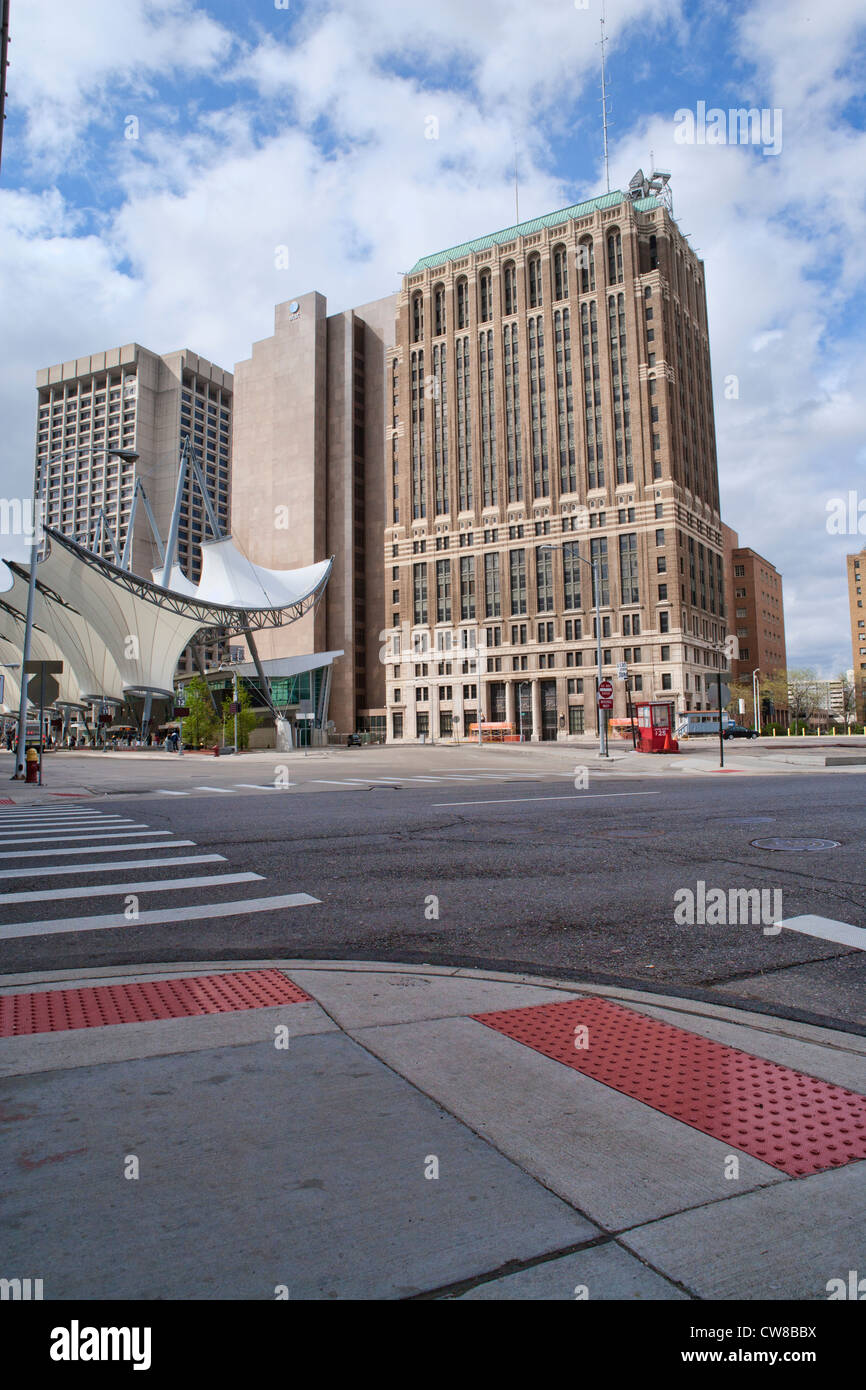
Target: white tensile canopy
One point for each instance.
(117, 632)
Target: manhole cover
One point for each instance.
(799, 846)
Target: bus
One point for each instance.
(693, 723)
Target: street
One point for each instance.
(469, 861)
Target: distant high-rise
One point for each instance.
(553, 405)
(756, 611)
(131, 399)
(856, 568)
(4, 63)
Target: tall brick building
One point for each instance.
(552, 403)
(856, 565)
(756, 612)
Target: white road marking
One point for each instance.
(828, 930)
(327, 782)
(43, 869)
(90, 835)
(163, 791)
(92, 849)
(578, 796)
(171, 915)
(157, 885)
(260, 787)
(213, 789)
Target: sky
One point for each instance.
(174, 168)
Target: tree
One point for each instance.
(804, 694)
(247, 718)
(201, 724)
(849, 698)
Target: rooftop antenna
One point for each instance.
(604, 110)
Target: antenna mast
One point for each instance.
(604, 112)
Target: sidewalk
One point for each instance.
(348, 1130)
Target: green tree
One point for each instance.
(247, 718)
(201, 724)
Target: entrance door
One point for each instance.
(548, 711)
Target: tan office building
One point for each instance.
(856, 569)
(309, 482)
(552, 405)
(756, 613)
(133, 399)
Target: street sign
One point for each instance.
(42, 688)
(622, 670)
(181, 712)
(605, 694)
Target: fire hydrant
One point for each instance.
(32, 759)
(216, 750)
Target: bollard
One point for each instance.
(32, 759)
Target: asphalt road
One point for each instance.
(530, 874)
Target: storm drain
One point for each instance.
(798, 846)
(785, 1118)
(54, 1011)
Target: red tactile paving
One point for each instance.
(53, 1011)
(789, 1120)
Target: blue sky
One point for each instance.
(304, 127)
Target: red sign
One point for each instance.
(605, 693)
(604, 704)
(181, 712)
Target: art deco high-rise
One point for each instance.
(553, 404)
(856, 566)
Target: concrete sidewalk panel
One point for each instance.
(784, 1242)
(614, 1158)
(124, 1042)
(373, 997)
(259, 1168)
(602, 1272)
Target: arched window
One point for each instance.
(462, 302)
(534, 277)
(614, 258)
(485, 296)
(560, 273)
(586, 265)
(509, 288)
(417, 318)
(439, 310)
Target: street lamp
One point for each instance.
(127, 456)
(756, 692)
(596, 591)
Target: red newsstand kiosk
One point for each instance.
(655, 722)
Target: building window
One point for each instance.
(619, 385)
(664, 622)
(509, 288)
(397, 724)
(467, 586)
(439, 310)
(443, 591)
(666, 680)
(517, 575)
(571, 563)
(560, 273)
(417, 318)
(564, 401)
(513, 436)
(492, 593)
(598, 551)
(419, 593)
(534, 276)
(575, 719)
(462, 302)
(614, 258)
(586, 265)
(544, 580)
(592, 395)
(485, 295)
(628, 569)
(489, 485)
(538, 409)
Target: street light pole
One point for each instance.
(755, 697)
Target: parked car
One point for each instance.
(353, 741)
(738, 731)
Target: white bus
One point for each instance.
(692, 723)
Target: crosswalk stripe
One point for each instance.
(164, 791)
(43, 869)
(266, 787)
(157, 885)
(29, 825)
(328, 782)
(92, 849)
(155, 918)
(90, 835)
(827, 929)
(213, 789)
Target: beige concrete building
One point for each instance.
(133, 399)
(756, 612)
(856, 565)
(309, 482)
(553, 405)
